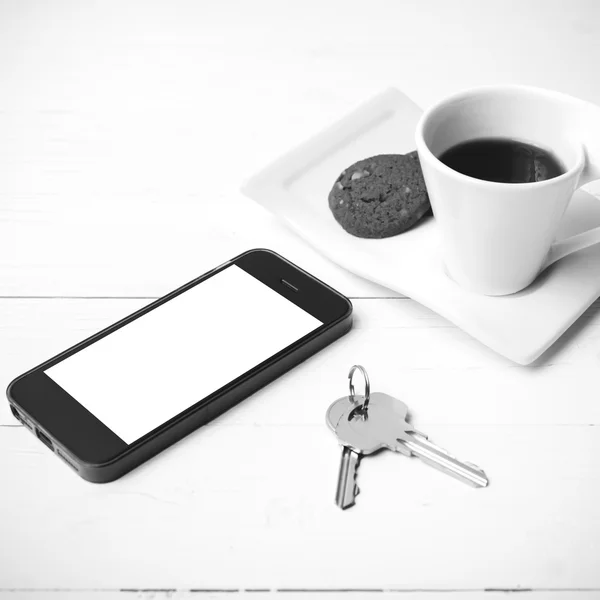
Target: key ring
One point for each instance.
(365, 404)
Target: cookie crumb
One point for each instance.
(359, 174)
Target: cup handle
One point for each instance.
(585, 121)
(572, 244)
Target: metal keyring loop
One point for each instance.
(367, 385)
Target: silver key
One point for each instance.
(368, 423)
(384, 425)
(347, 488)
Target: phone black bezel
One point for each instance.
(95, 450)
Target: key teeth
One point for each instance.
(356, 488)
(348, 489)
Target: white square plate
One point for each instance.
(520, 327)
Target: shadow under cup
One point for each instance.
(496, 236)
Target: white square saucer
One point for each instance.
(520, 326)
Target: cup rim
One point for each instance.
(422, 146)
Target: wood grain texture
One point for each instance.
(132, 149)
(126, 131)
(216, 516)
(236, 506)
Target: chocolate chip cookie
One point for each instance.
(380, 196)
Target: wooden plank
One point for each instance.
(247, 505)
(132, 187)
(523, 425)
(443, 374)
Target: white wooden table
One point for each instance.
(126, 131)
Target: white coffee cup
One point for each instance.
(497, 237)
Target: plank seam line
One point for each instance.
(307, 590)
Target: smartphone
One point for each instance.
(124, 394)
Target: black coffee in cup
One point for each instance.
(502, 160)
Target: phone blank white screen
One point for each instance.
(150, 370)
